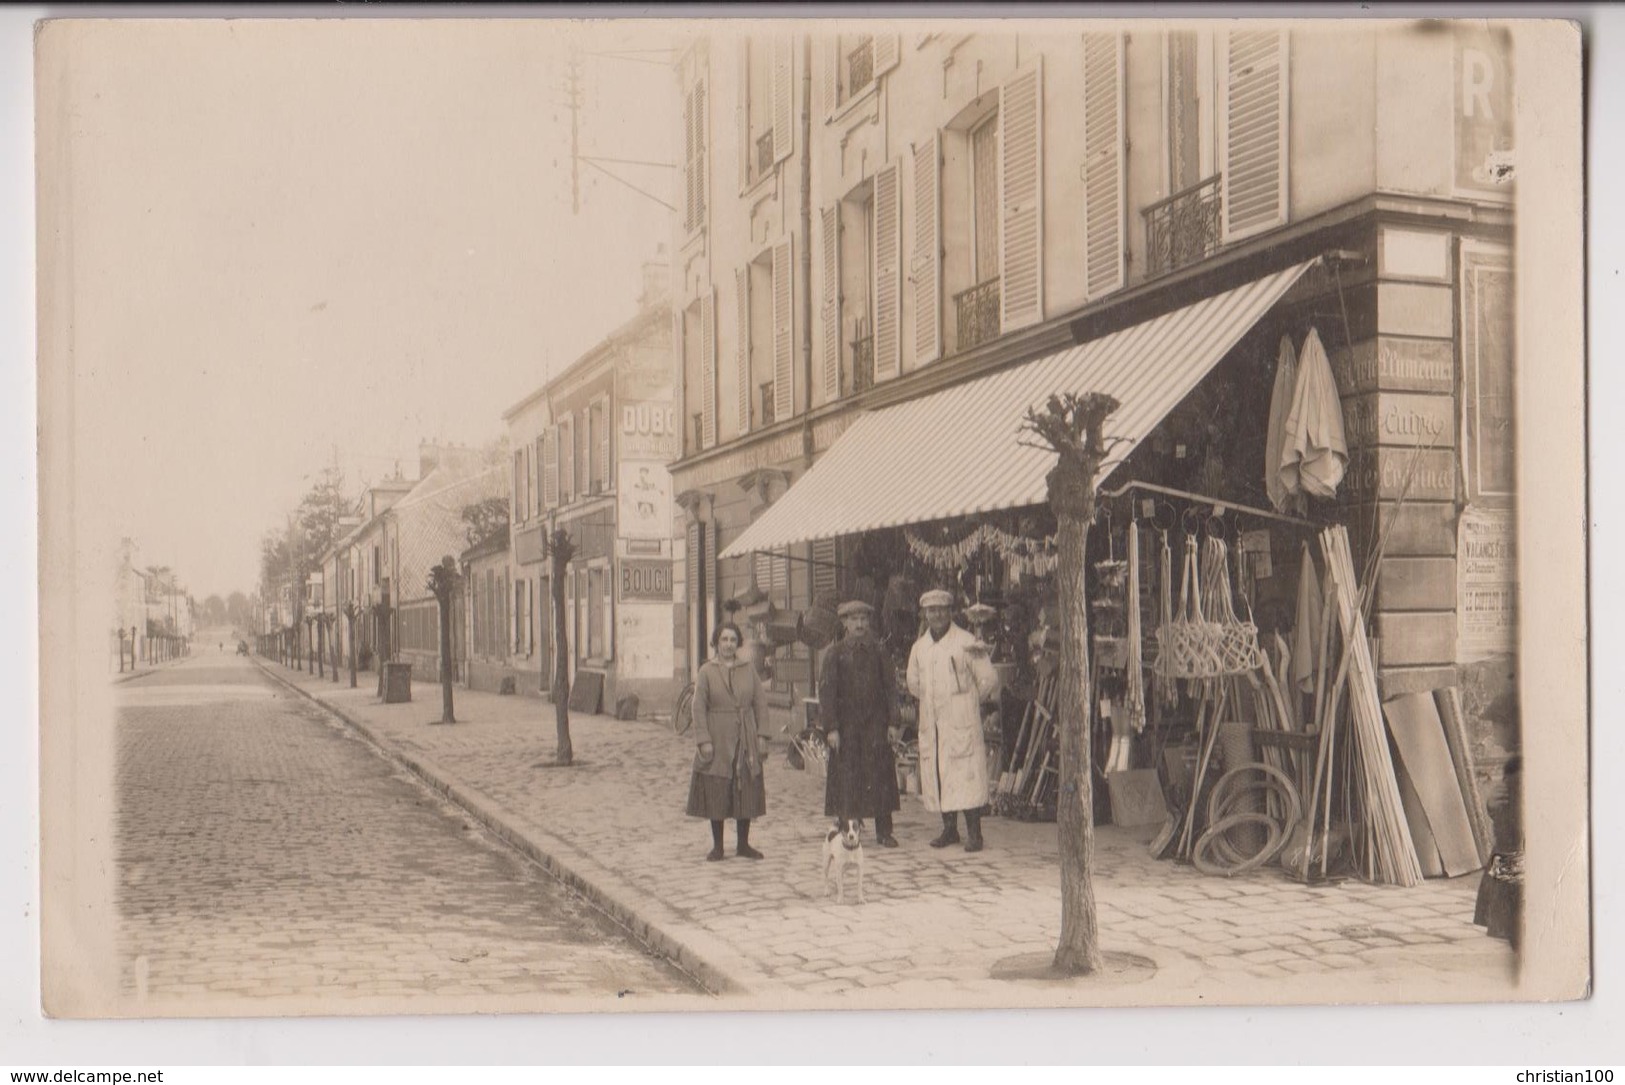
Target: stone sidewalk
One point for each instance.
(941, 928)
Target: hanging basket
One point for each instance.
(1189, 646)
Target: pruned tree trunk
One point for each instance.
(442, 583)
(350, 616)
(446, 715)
(1072, 426)
(562, 550)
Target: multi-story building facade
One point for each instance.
(355, 572)
(871, 221)
(590, 454)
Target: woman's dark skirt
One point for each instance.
(717, 798)
(1499, 906)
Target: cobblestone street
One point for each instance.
(265, 852)
(940, 927)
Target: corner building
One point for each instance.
(884, 235)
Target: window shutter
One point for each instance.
(691, 184)
(518, 474)
(829, 79)
(567, 459)
(831, 240)
(784, 100)
(1103, 163)
(538, 453)
(701, 118)
(584, 453)
(1255, 193)
(888, 314)
(694, 156)
(688, 159)
(692, 570)
(888, 48)
(742, 112)
(606, 470)
(825, 582)
(742, 347)
(781, 577)
(708, 368)
(1021, 223)
(531, 493)
(550, 467)
(713, 584)
(926, 266)
(783, 333)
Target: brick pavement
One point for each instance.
(265, 853)
(938, 924)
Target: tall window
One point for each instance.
(857, 294)
(985, 198)
(760, 300)
(1187, 158)
(855, 65)
(758, 112)
(597, 646)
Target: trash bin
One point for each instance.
(397, 683)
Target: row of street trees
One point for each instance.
(481, 521)
(289, 555)
(1070, 425)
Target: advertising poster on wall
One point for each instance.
(643, 489)
(645, 640)
(1488, 584)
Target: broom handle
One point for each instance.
(1206, 759)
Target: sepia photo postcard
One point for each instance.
(619, 515)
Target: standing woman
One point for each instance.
(729, 705)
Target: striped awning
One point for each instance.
(956, 452)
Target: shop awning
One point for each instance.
(956, 452)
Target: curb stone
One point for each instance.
(543, 849)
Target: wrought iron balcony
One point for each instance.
(860, 67)
(863, 363)
(978, 314)
(1182, 229)
(764, 152)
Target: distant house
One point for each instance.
(591, 448)
(485, 614)
(421, 529)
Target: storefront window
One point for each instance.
(595, 614)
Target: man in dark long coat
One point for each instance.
(857, 702)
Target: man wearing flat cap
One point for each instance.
(950, 674)
(857, 703)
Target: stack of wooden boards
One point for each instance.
(1437, 785)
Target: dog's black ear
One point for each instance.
(833, 833)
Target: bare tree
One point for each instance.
(1071, 426)
(442, 582)
(351, 613)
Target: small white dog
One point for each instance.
(843, 851)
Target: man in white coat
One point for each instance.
(951, 675)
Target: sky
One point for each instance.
(297, 241)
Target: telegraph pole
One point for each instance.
(573, 102)
(572, 90)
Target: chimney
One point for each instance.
(656, 280)
(429, 456)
